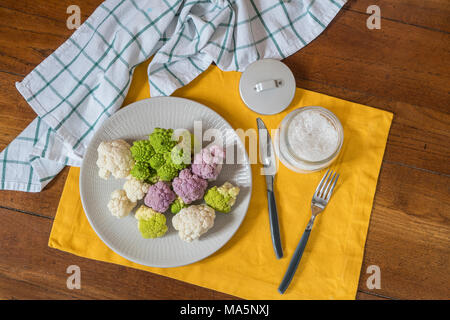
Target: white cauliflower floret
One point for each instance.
(193, 221)
(114, 157)
(135, 189)
(119, 205)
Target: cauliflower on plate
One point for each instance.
(193, 221)
(207, 163)
(151, 224)
(159, 196)
(167, 172)
(135, 189)
(161, 140)
(187, 141)
(170, 163)
(114, 157)
(142, 171)
(142, 150)
(177, 157)
(177, 205)
(222, 198)
(188, 186)
(157, 161)
(119, 205)
(168, 158)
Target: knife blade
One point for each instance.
(268, 160)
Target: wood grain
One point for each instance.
(390, 62)
(29, 269)
(403, 68)
(431, 14)
(361, 295)
(392, 69)
(43, 203)
(409, 234)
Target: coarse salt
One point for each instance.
(312, 137)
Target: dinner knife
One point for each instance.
(268, 159)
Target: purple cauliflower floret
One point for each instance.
(159, 196)
(188, 186)
(208, 162)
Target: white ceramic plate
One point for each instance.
(135, 122)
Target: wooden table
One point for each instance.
(404, 67)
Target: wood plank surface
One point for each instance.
(430, 14)
(409, 234)
(29, 269)
(404, 67)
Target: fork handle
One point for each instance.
(274, 225)
(295, 258)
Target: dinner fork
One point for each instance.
(318, 203)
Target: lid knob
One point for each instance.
(267, 85)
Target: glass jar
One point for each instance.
(309, 139)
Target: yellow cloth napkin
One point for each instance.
(246, 266)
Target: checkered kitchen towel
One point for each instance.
(86, 79)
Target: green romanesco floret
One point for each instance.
(157, 160)
(167, 172)
(151, 223)
(177, 205)
(153, 178)
(142, 171)
(142, 151)
(161, 140)
(168, 164)
(222, 198)
(177, 159)
(189, 141)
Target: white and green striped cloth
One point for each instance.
(86, 79)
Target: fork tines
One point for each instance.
(326, 185)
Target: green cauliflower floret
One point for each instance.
(153, 177)
(168, 164)
(177, 205)
(161, 140)
(157, 160)
(142, 171)
(222, 198)
(189, 141)
(142, 151)
(151, 223)
(177, 159)
(167, 172)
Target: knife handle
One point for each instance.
(274, 226)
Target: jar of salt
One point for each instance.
(309, 139)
